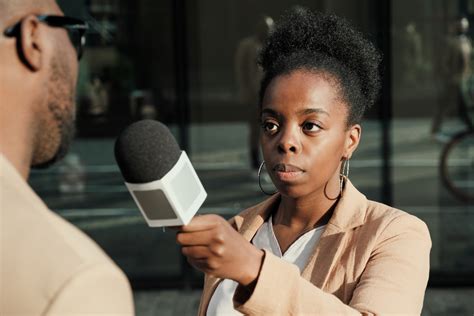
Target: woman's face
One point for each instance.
(304, 133)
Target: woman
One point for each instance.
(317, 246)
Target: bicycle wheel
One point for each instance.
(457, 166)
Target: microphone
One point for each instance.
(158, 174)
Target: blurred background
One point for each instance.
(184, 62)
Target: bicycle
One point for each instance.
(457, 156)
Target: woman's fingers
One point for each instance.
(213, 246)
(214, 236)
(203, 222)
(196, 252)
(202, 238)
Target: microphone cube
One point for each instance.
(172, 200)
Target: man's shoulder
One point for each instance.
(27, 221)
(26, 217)
(42, 252)
(48, 236)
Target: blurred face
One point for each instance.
(305, 135)
(59, 110)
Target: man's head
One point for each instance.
(39, 71)
(264, 27)
(462, 25)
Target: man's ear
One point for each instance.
(30, 43)
(352, 140)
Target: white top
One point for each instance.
(298, 253)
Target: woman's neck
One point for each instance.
(305, 212)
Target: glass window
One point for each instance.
(432, 138)
(165, 61)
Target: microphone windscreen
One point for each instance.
(145, 151)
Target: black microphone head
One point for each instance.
(145, 151)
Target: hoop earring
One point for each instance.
(343, 174)
(260, 182)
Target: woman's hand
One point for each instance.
(213, 246)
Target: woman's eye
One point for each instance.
(311, 127)
(269, 127)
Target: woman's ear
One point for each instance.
(352, 140)
(30, 43)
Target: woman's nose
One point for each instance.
(289, 141)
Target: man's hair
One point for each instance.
(323, 43)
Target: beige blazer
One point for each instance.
(49, 267)
(371, 259)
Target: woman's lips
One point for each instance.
(287, 172)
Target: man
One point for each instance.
(454, 71)
(47, 265)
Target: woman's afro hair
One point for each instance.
(318, 42)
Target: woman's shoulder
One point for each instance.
(392, 221)
(380, 211)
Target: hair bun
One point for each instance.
(303, 32)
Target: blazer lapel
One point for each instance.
(349, 213)
(324, 256)
(248, 223)
(210, 285)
